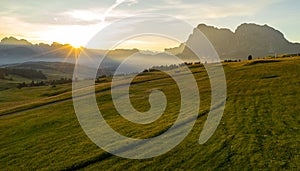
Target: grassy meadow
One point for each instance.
(259, 129)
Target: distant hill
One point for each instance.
(248, 39)
(25, 73)
(53, 70)
(14, 51)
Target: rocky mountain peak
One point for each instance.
(13, 41)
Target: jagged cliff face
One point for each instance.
(248, 39)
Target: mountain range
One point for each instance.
(20, 53)
(248, 39)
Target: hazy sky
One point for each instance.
(76, 21)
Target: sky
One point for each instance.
(77, 21)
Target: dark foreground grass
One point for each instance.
(259, 129)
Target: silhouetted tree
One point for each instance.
(21, 85)
(32, 84)
(250, 57)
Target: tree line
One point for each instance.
(45, 83)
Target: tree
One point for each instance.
(32, 84)
(250, 57)
(21, 85)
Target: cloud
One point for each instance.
(84, 15)
(47, 12)
(115, 5)
(173, 2)
(211, 10)
(50, 22)
(35, 19)
(102, 14)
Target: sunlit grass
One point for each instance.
(259, 129)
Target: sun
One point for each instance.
(76, 45)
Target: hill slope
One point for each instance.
(259, 129)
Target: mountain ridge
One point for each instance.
(247, 39)
(14, 41)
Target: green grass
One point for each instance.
(14, 99)
(259, 129)
(6, 83)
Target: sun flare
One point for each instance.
(76, 45)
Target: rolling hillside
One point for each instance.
(259, 129)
